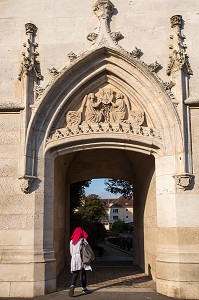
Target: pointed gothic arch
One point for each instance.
(86, 74)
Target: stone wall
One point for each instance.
(27, 213)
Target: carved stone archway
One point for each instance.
(109, 99)
(104, 100)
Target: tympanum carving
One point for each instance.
(107, 106)
(107, 110)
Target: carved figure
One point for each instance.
(93, 113)
(118, 111)
(108, 107)
(136, 117)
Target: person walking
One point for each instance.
(78, 237)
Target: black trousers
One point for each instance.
(83, 277)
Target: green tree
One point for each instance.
(77, 193)
(118, 226)
(116, 186)
(92, 208)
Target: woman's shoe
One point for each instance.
(71, 291)
(85, 291)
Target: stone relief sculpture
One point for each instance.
(107, 110)
(107, 106)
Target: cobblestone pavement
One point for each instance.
(115, 269)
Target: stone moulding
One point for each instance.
(192, 102)
(26, 183)
(98, 128)
(184, 181)
(11, 106)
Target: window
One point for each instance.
(115, 210)
(115, 217)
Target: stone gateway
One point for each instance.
(98, 89)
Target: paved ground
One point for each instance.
(113, 278)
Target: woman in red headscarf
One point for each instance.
(78, 237)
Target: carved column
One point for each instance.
(30, 76)
(179, 71)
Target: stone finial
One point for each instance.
(136, 53)
(176, 20)
(53, 71)
(30, 28)
(154, 67)
(103, 9)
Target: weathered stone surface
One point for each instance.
(103, 110)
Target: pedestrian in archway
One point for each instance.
(78, 237)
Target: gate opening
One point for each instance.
(108, 163)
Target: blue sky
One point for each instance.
(97, 187)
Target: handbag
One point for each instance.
(87, 253)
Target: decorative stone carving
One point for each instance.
(98, 128)
(73, 118)
(39, 90)
(178, 59)
(72, 56)
(103, 9)
(154, 67)
(53, 71)
(136, 53)
(107, 110)
(26, 183)
(29, 62)
(30, 29)
(92, 36)
(136, 117)
(176, 20)
(184, 181)
(106, 106)
(168, 85)
(116, 36)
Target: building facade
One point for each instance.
(98, 89)
(117, 209)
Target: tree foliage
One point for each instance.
(92, 208)
(77, 193)
(120, 226)
(116, 186)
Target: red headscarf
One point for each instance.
(78, 234)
